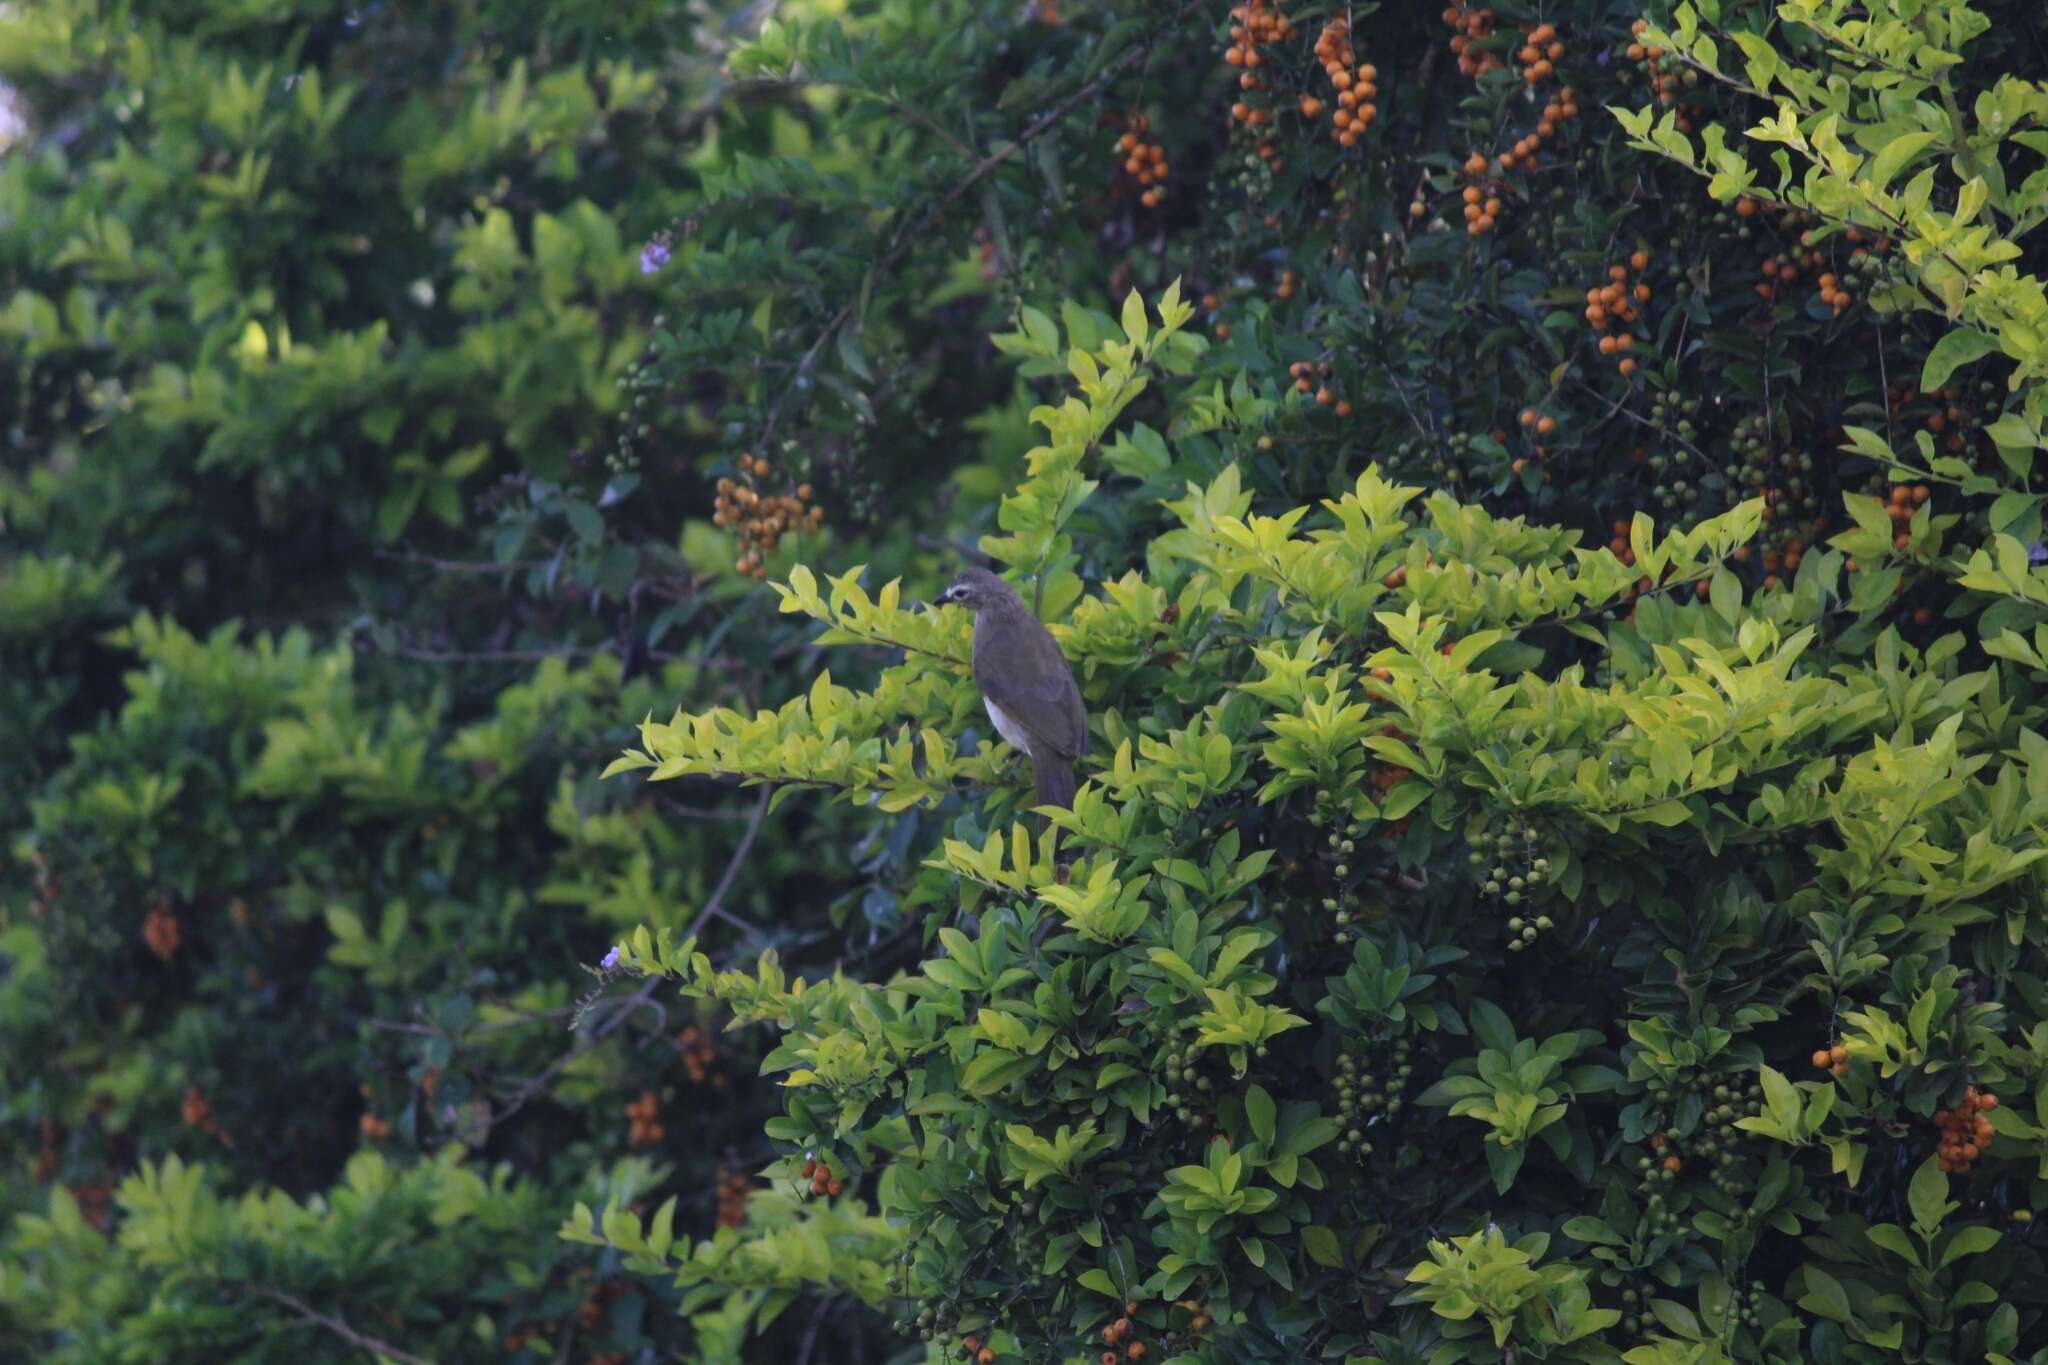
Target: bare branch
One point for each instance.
(337, 1326)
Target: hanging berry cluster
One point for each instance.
(1951, 419)
(597, 1302)
(700, 1057)
(160, 931)
(1356, 91)
(1118, 1339)
(1612, 308)
(1662, 70)
(373, 1129)
(1556, 114)
(823, 1182)
(1511, 869)
(643, 1121)
(1965, 1131)
(734, 1189)
(1723, 1141)
(1371, 1085)
(197, 1112)
(1315, 379)
(1144, 162)
(1254, 24)
(49, 1159)
(1482, 196)
(1540, 53)
(761, 521)
(1473, 27)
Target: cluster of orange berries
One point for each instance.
(1617, 302)
(197, 1112)
(1289, 284)
(1905, 499)
(1833, 1059)
(1255, 24)
(644, 1127)
(1965, 1132)
(761, 522)
(93, 1198)
(1540, 53)
(48, 1159)
(1474, 26)
(160, 930)
(1949, 419)
(48, 888)
(733, 1192)
(1782, 271)
(373, 1128)
(987, 255)
(823, 1182)
(1651, 60)
(1144, 162)
(1788, 554)
(1669, 1161)
(1482, 198)
(1316, 379)
(1354, 84)
(1556, 113)
(1117, 1339)
(700, 1057)
(597, 1301)
(1198, 1320)
(974, 1349)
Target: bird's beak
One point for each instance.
(946, 598)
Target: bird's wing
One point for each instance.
(1037, 690)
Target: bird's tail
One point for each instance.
(1054, 778)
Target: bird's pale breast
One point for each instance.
(1009, 729)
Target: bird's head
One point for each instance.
(977, 590)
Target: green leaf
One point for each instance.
(1971, 1241)
(1824, 1295)
(1321, 1245)
(1928, 1196)
(1258, 1108)
(1959, 348)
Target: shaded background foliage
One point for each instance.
(367, 478)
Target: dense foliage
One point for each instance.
(1539, 499)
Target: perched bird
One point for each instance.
(1025, 682)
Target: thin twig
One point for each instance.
(714, 906)
(489, 656)
(479, 566)
(619, 1014)
(337, 1326)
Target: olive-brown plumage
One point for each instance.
(1025, 682)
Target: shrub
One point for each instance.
(407, 403)
(1211, 1088)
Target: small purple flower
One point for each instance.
(654, 256)
(2037, 553)
(611, 961)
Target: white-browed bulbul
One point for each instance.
(1025, 682)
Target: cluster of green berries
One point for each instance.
(1189, 1094)
(1510, 867)
(1370, 1085)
